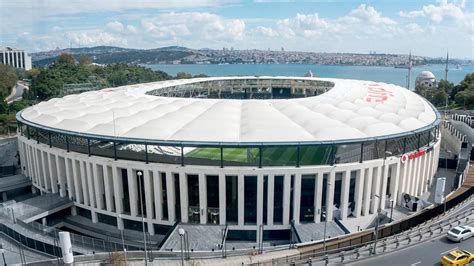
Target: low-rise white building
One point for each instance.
(15, 58)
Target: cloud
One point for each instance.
(365, 13)
(93, 38)
(455, 11)
(195, 25)
(115, 26)
(265, 31)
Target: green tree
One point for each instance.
(183, 75)
(85, 60)
(67, 59)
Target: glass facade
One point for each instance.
(258, 155)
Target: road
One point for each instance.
(425, 253)
(17, 92)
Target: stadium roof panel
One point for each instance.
(352, 109)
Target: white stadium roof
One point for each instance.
(352, 109)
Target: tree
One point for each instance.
(445, 85)
(8, 79)
(85, 60)
(439, 97)
(463, 93)
(33, 73)
(67, 59)
(183, 75)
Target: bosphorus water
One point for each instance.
(391, 75)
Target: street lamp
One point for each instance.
(325, 220)
(3, 253)
(140, 174)
(181, 233)
(391, 209)
(379, 210)
(123, 242)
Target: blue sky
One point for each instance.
(427, 28)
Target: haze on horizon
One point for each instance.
(427, 28)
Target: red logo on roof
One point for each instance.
(377, 93)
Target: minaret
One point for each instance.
(446, 69)
(409, 71)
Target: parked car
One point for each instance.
(460, 233)
(457, 257)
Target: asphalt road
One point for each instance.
(17, 92)
(426, 253)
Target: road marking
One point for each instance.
(416, 263)
(448, 251)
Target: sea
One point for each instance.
(391, 75)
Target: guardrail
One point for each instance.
(346, 244)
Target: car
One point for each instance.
(460, 233)
(457, 257)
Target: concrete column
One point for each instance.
(120, 223)
(427, 177)
(52, 172)
(118, 190)
(376, 180)
(85, 187)
(345, 185)
(394, 182)
(318, 196)
(270, 197)
(69, 178)
(383, 191)
(148, 195)
(45, 170)
(91, 185)
(402, 181)
(108, 184)
(98, 186)
(240, 199)
(203, 198)
(222, 199)
(416, 175)
(159, 195)
(411, 176)
(330, 195)
(37, 164)
(286, 198)
(170, 192)
(94, 217)
(421, 179)
(259, 200)
(132, 192)
(73, 210)
(76, 173)
(148, 201)
(367, 190)
(297, 198)
(358, 192)
(183, 185)
(4, 196)
(61, 176)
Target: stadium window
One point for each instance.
(193, 199)
(164, 199)
(212, 188)
(231, 199)
(308, 183)
(250, 201)
(278, 200)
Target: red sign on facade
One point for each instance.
(411, 156)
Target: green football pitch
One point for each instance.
(270, 156)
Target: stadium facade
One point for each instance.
(236, 151)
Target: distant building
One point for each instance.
(15, 58)
(426, 79)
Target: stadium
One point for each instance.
(244, 152)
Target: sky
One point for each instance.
(426, 28)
